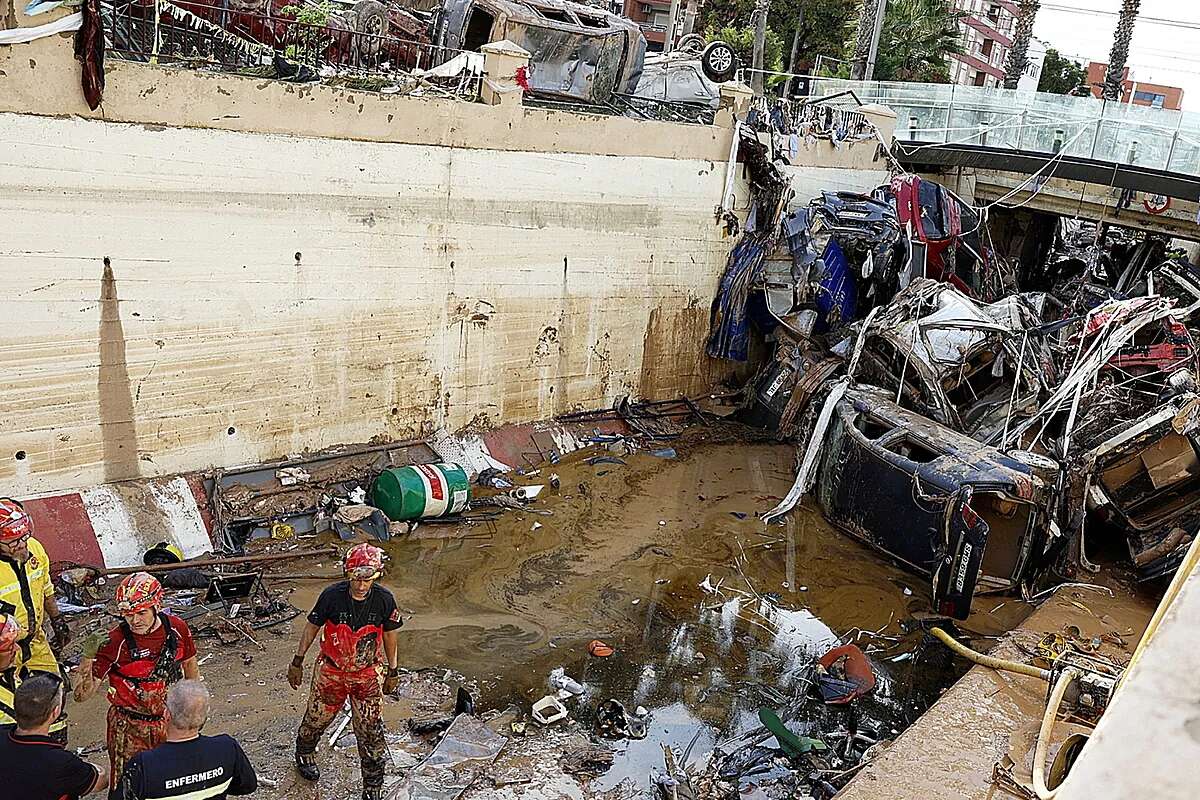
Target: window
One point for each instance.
(1150, 98)
(554, 14)
(479, 29)
(985, 49)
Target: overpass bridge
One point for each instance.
(1076, 156)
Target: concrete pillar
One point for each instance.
(735, 96)
(884, 119)
(501, 60)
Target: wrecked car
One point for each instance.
(576, 51)
(688, 74)
(966, 365)
(943, 231)
(967, 516)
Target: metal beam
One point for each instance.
(1025, 162)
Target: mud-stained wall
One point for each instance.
(182, 298)
(212, 270)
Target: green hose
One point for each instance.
(989, 661)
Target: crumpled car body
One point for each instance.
(1146, 475)
(947, 229)
(673, 78)
(967, 516)
(576, 51)
(964, 364)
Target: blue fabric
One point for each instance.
(837, 297)
(729, 329)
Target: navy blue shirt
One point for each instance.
(204, 768)
(38, 768)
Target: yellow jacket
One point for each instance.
(25, 589)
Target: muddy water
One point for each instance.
(621, 558)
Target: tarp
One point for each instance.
(21, 35)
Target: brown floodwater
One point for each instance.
(621, 555)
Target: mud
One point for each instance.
(620, 556)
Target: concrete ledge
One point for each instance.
(949, 753)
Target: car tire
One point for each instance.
(693, 44)
(719, 62)
(370, 18)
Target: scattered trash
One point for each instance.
(493, 478)
(560, 680)
(526, 493)
(599, 649)
(613, 722)
(665, 452)
(844, 674)
(548, 710)
(290, 476)
(590, 761)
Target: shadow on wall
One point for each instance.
(117, 430)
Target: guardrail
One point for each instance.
(203, 36)
(1033, 121)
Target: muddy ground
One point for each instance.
(619, 553)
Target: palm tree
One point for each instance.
(1113, 80)
(1018, 54)
(918, 35)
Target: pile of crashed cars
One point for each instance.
(983, 423)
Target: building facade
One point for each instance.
(987, 30)
(653, 16)
(1140, 93)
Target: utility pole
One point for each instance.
(672, 26)
(880, 11)
(791, 66)
(761, 7)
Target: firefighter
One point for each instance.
(358, 622)
(27, 593)
(142, 656)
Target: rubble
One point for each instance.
(964, 411)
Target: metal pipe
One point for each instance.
(213, 562)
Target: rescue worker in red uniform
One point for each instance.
(27, 593)
(358, 623)
(141, 657)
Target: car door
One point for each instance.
(960, 559)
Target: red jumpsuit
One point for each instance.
(137, 691)
(348, 667)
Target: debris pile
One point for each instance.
(969, 412)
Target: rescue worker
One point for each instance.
(358, 622)
(27, 593)
(141, 657)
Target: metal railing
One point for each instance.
(202, 36)
(1033, 121)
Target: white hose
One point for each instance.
(1043, 740)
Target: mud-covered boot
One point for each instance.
(372, 793)
(306, 765)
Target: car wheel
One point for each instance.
(693, 44)
(719, 62)
(370, 18)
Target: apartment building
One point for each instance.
(987, 31)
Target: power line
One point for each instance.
(1095, 12)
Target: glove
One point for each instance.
(295, 673)
(62, 632)
(391, 681)
(93, 643)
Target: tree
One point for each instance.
(917, 37)
(822, 26)
(1119, 55)
(1018, 54)
(742, 42)
(1061, 75)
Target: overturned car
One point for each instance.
(969, 517)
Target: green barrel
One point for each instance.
(424, 490)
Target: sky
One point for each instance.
(1162, 52)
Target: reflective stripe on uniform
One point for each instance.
(198, 794)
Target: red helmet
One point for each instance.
(15, 521)
(364, 562)
(137, 592)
